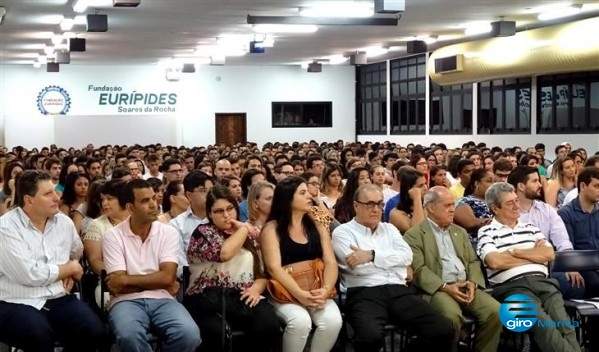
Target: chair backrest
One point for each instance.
(578, 260)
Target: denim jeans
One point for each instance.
(132, 321)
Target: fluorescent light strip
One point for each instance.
(67, 24)
(559, 13)
(339, 9)
(80, 6)
(285, 28)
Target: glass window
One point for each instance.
(568, 103)
(451, 109)
(408, 95)
(302, 114)
(372, 99)
(504, 106)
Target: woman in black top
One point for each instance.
(291, 236)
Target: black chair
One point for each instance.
(229, 334)
(579, 260)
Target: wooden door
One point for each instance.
(230, 128)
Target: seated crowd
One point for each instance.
(182, 246)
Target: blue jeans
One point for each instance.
(131, 321)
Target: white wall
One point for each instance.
(200, 95)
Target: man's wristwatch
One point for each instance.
(372, 252)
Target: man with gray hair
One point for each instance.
(516, 256)
(448, 272)
(374, 263)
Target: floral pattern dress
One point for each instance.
(479, 208)
(206, 267)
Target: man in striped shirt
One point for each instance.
(516, 256)
(39, 261)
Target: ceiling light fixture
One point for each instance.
(284, 28)
(80, 6)
(325, 21)
(335, 59)
(339, 9)
(57, 39)
(67, 24)
(36, 64)
(477, 28)
(560, 13)
(48, 49)
(373, 51)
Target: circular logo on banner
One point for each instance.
(518, 313)
(53, 100)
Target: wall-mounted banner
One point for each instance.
(53, 100)
(131, 101)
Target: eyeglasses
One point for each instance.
(221, 211)
(175, 171)
(422, 163)
(371, 205)
(315, 184)
(287, 173)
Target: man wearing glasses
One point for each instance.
(374, 263)
(173, 170)
(196, 184)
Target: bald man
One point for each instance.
(222, 169)
(448, 272)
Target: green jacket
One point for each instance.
(428, 270)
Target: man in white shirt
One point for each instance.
(374, 265)
(196, 184)
(39, 261)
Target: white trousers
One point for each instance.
(298, 324)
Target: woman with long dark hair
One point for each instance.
(292, 236)
(409, 210)
(75, 193)
(222, 258)
(174, 201)
(344, 208)
(471, 211)
(10, 172)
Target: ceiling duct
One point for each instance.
(315, 67)
(549, 50)
(325, 21)
(389, 6)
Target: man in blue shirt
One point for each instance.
(581, 218)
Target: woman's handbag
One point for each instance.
(308, 275)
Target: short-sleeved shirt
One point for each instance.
(206, 267)
(497, 237)
(124, 251)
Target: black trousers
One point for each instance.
(65, 319)
(260, 324)
(369, 309)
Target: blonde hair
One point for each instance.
(254, 193)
